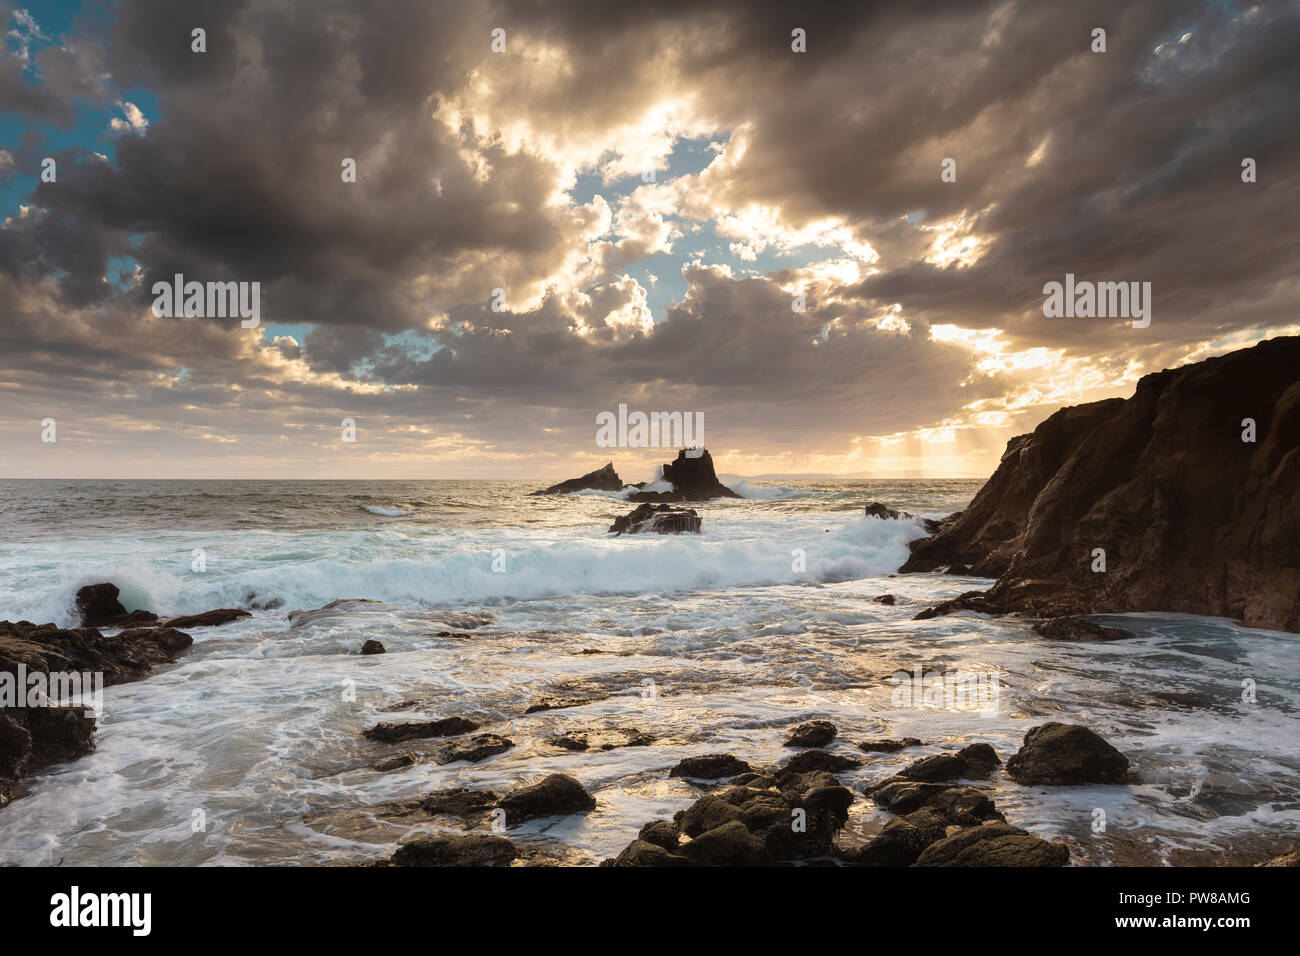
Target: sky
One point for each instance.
(824, 227)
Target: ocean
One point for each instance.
(249, 749)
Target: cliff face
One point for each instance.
(1191, 517)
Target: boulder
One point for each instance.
(886, 746)
(372, 646)
(98, 605)
(642, 853)
(458, 802)
(554, 795)
(602, 479)
(815, 733)
(994, 844)
(1056, 754)
(728, 845)
(213, 618)
(468, 850)
(808, 760)
(710, 767)
(657, 519)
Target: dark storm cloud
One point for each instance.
(1135, 176)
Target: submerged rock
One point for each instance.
(815, 733)
(372, 646)
(602, 479)
(710, 767)
(976, 601)
(458, 801)
(389, 732)
(882, 511)
(469, 850)
(1078, 629)
(209, 618)
(554, 795)
(475, 749)
(818, 760)
(602, 739)
(1056, 754)
(659, 519)
(886, 746)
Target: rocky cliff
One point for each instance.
(1191, 515)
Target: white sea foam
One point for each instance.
(389, 512)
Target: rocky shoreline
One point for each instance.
(1183, 498)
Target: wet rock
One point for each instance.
(657, 519)
(936, 768)
(815, 733)
(602, 479)
(728, 845)
(710, 767)
(901, 841)
(168, 640)
(1056, 754)
(471, 850)
(707, 813)
(643, 853)
(994, 844)
(955, 805)
(886, 746)
(660, 833)
(475, 749)
(554, 795)
(396, 762)
(878, 509)
(817, 760)
(58, 734)
(980, 758)
(209, 618)
(602, 739)
(1078, 629)
(458, 802)
(692, 476)
(372, 646)
(99, 606)
(885, 599)
(958, 570)
(970, 601)
(390, 733)
(557, 703)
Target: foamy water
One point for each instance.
(249, 749)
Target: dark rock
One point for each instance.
(396, 762)
(1057, 754)
(475, 749)
(707, 813)
(602, 479)
(693, 479)
(955, 805)
(660, 833)
(994, 844)
(557, 703)
(936, 768)
(554, 795)
(644, 853)
(1192, 518)
(970, 601)
(901, 841)
(958, 569)
(472, 850)
(659, 519)
(33, 738)
(1078, 629)
(817, 760)
(980, 759)
(391, 733)
(209, 618)
(710, 767)
(815, 733)
(885, 599)
(602, 739)
(98, 605)
(372, 646)
(879, 510)
(888, 746)
(728, 845)
(458, 802)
